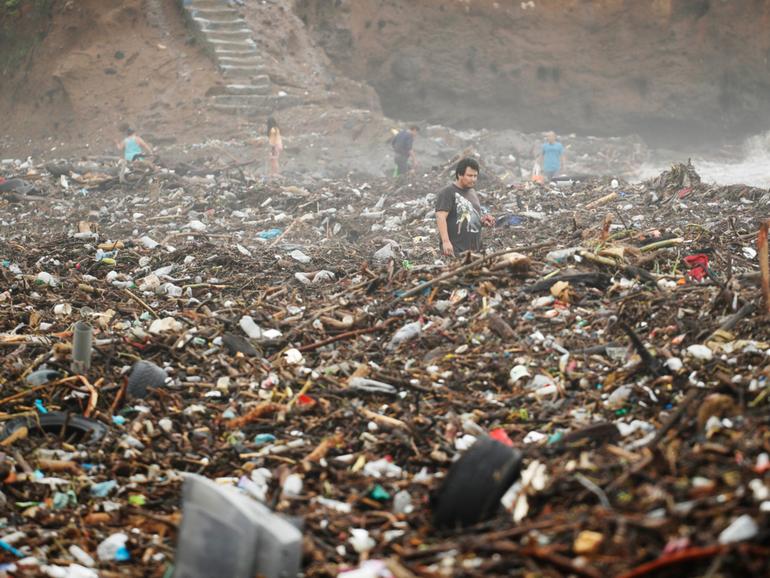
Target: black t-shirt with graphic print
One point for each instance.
(464, 218)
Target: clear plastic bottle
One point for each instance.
(561, 255)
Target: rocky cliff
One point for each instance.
(678, 72)
(672, 70)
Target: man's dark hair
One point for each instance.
(415, 128)
(464, 164)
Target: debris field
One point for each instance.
(307, 343)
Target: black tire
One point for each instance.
(87, 430)
(475, 483)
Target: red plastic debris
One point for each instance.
(500, 435)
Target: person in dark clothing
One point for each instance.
(403, 149)
(458, 212)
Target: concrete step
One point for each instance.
(208, 4)
(227, 35)
(246, 72)
(229, 24)
(259, 79)
(233, 28)
(231, 44)
(223, 13)
(243, 111)
(250, 52)
(259, 88)
(242, 100)
(252, 59)
(279, 102)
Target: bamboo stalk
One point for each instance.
(450, 275)
(764, 266)
(662, 244)
(601, 201)
(598, 259)
(149, 309)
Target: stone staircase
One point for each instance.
(248, 89)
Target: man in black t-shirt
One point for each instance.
(403, 144)
(458, 212)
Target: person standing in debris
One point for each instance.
(276, 146)
(551, 156)
(403, 149)
(458, 212)
(133, 146)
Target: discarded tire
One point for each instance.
(17, 186)
(60, 423)
(144, 376)
(475, 483)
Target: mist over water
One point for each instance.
(749, 165)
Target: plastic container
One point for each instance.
(44, 278)
(82, 339)
(171, 290)
(144, 376)
(249, 327)
(226, 533)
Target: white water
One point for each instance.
(751, 168)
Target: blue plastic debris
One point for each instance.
(8, 548)
(269, 234)
(264, 438)
(102, 489)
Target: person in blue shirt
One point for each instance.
(551, 156)
(133, 146)
(403, 150)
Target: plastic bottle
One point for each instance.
(406, 333)
(148, 242)
(619, 397)
(249, 327)
(82, 556)
(561, 255)
(114, 548)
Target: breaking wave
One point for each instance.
(751, 166)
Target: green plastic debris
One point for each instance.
(137, 500)
(379, 493)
